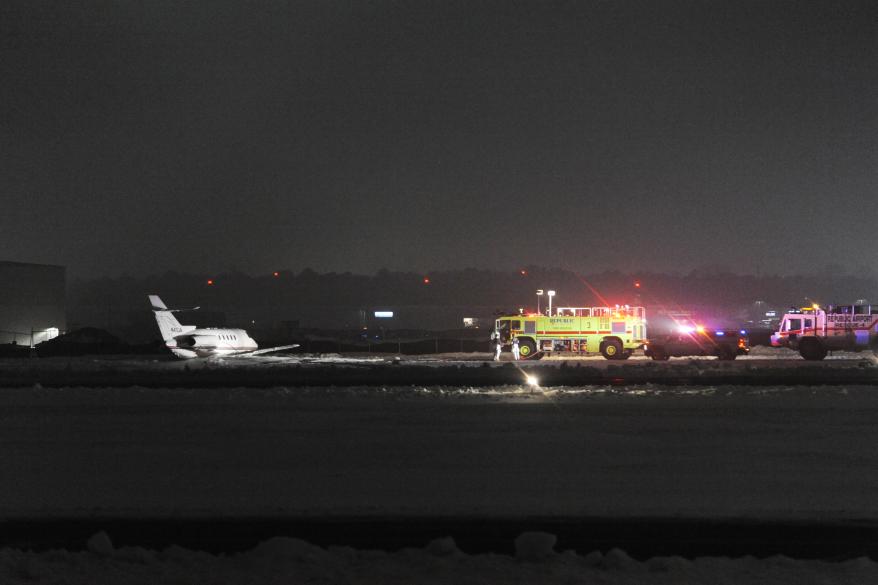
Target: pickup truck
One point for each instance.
(726, 344)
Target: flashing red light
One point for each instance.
(275, 274)
(636, 284)
(523, 272)
(426, 280)
(209, 282)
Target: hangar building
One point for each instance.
(31, 302)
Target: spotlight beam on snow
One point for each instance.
(534, 384)
(529, 379)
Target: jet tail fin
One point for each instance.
(168, 324)
(157, 303)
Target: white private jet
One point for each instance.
(188, 341)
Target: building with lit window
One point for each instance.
(31, 302)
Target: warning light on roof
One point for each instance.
(209, 282)
(523, 272)
(426, 280)
(636, 284)
(275, 273)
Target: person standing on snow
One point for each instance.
(516, 352)
(498, 345)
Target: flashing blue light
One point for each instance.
(743, 332)
(720, 333)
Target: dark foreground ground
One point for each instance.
(763, 456)
(642, 538)
(653, 469)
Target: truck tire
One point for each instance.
(727, 353)
(611, 349)
(527, 348)
(659, 354)
(811, 349)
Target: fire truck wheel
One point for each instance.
(526, 348)
(611, 349)
(812, 350)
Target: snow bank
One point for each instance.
(290, 560)
(766, 366)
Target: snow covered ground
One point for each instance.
(765, 367)
(165, 363)
(285, 560)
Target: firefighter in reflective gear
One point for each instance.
(516, 352)
(498, 345)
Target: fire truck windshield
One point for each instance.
(505, 327)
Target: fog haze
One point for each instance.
(424, 136)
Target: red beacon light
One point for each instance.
(209, 282)
(275, 273)
(426, 280)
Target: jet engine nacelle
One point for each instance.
(193, 341)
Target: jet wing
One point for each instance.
(267, 350)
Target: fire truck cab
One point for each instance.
(614, 332)
(814, 332)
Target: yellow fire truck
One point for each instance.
(615, 332)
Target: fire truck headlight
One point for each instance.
(532, 381)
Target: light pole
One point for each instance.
(551, 294)
(539, 294)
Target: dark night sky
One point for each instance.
(204, 136)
